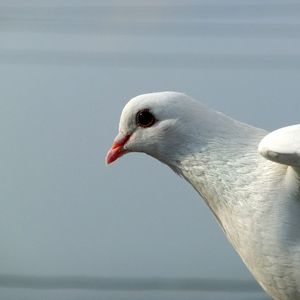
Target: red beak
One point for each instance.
(117, 148)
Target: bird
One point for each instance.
(249, 178)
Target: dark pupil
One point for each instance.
(145, 118)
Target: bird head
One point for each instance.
(159, 124)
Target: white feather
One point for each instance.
(282, 146)
(256, 201)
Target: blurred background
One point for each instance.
(73, 228)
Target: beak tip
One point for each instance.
(117, 149)
(109, 158)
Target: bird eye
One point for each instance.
(144, 118)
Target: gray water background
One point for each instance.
(67, 68)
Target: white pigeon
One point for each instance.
(250, 179)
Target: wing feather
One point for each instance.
(282, 146)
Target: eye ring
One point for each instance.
(144, 118)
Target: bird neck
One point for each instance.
(222, 165)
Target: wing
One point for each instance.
(282, 146)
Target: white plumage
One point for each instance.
(255, 198)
